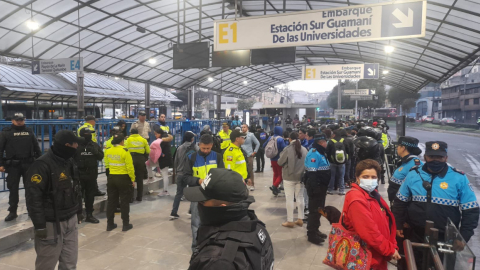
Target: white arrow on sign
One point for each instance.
(371, 72)
(35, 68)
(405, 21)
(372, 92)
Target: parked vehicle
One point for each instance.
(427, 119)
(447, 120)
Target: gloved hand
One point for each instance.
(107, 171)
(80, 218)
(41, 233)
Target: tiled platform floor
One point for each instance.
(155, 242)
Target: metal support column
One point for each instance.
(191, 103)
(80, 92)
(219, 106)
(339, 103)
(356, 102)
(147, 100)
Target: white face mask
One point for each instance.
(368, 185)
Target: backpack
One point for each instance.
(243, 244)
(340, 155)
(271, 149)
(217, 144)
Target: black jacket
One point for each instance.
(166, 160)
(53, 183)
(87, 157)
(19, 144)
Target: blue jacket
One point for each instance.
(317, 167)
(278, 133)
(316, 161)
(400, 173)
(309, 144)
(452, 197)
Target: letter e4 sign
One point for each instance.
(227, 33)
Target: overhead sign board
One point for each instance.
(380, 21)
(343, 112)
(57, 65)
(361, 92)
(363, 97)
(340, 72)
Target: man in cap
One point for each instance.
(235, 157)
(120, 181)
(89, 124)
(230, 236)
(139, 149)
(142, 126)
(225, 135)
(20, 146)
(54, 203)
(437, 192)
(87, 157)
(317, 179)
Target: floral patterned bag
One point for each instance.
(346, 251)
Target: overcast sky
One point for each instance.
(312, 86)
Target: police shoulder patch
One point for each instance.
(231, 149)
(314, 150)
(36, 178)
(457, 171)
(261, 236)
(417, 162)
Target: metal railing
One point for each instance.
(45, 131)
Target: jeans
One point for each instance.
(338, 172)
(294, 190)
(195, 223)
(178, 196)
(250, 169)
(347, 177)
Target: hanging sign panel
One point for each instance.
(340, 72)
(381, 21)
(57, 65)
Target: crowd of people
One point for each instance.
(216, 173)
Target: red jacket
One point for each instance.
(364, 215)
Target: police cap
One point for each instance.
(18, 116)
(320, 136)
(220, 184)
(436, 148)
(67, 136)
(142, 113)
(118, 138)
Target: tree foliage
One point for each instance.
(245, 104)
(362, 84)
(408, 104)
(397, 96)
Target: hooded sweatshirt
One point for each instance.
(278, 134)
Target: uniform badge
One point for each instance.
(231, 149)
(229, 158)
(417, 162)
(435, 146)
(36, 178)
(400, 169)
(63, 176)
(261, 236)
(312, 160)
(444, 185)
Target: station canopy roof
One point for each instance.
(111, 44)
(19, 83)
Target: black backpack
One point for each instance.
(244, 244)
(340, 155)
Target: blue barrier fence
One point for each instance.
(45, 131)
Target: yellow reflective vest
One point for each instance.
(119, 161)
(165, 128)
(92, 129)
(235, 160)
(137, 144)
(225, 138)
(202, 164)
(108, 143)
(384, 140)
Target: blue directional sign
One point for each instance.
(402, 19)
(35, 67)
(370, 71)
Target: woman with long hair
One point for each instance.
(292, 159)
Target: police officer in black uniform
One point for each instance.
(54, 203)
(21, 149)
(87, 157)
(230, 236)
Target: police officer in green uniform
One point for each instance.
(139, 149)
(120, 181)
(54, 203)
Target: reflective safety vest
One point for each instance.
(165, 128)
(225, 138)
(203, 164)
(108, 143)
(92, 129)
(137, 144)
(385, 141)
(235, 160)
(119, 161)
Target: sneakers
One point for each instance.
(164, 193)
(158, 175)
(315, 239)
(341, 193)
(288, 224)
(150, 180)
(127, 227)
(252, 188)
(11, 216)
(299, 222)
(174, 216)
(111, 227)
(274, 190)
(330, 192)
(99, 193)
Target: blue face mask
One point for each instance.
(435, 166)
(368, 185)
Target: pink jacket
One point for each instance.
(155, 151)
